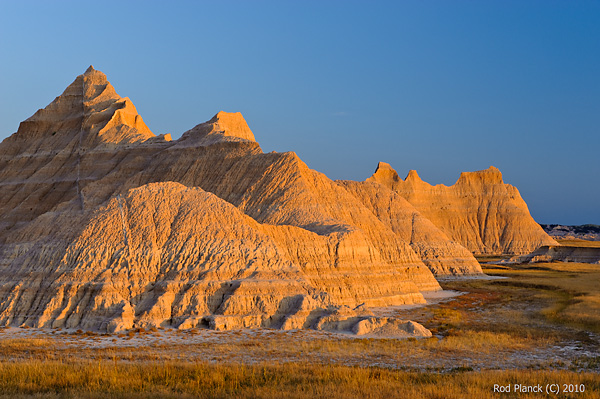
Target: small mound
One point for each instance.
(390, 328)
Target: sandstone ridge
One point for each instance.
(105, 226)
(87, 113)
(442, 255)
(223, 127)
(479, 211)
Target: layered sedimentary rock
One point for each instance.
(41, 164)
(105, 226)
(479, 211)
(224, 126)
(442, 255)
(559, 254)
(163, 252)
(389, 327)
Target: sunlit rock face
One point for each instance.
(105, 226)
(442, 255)
(479, 211)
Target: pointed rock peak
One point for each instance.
(88, 110)
(232, 124)
(383, 166)
(223, 127)
(385, 175)
(413, 176)
(491, 175)
(92, 78)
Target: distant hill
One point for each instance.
(582, 232)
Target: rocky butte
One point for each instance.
(479, 211)
(105, 226)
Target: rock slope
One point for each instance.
(479, 211)
(442, 255)
(104, 225)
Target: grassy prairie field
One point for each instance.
(575, 287)
(532, 324)
(182, 380)
(578, 243)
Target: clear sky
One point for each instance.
(437, 86)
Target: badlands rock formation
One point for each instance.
(105, 226)
(479, 211)
(442, 255)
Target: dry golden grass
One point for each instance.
(483, 342)
(575, 287)
(460, 341)
(578, 243)
(173, 380)
(584, 310)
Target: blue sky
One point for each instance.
(437, 86)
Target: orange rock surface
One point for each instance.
(479, 211)
(105, 226)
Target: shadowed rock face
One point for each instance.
(479, 211)
(105, 226)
